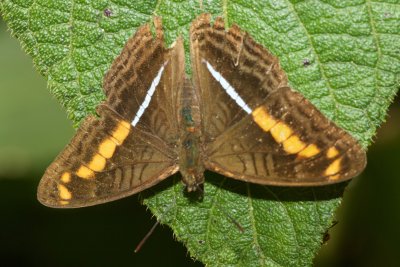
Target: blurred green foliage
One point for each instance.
(33, 125)
(33, 129)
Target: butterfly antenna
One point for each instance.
(236, 223)
(141, 243)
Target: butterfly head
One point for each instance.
(193, 179)
(193, 188)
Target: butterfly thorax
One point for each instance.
(191, 166)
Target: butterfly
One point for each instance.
(236, 116)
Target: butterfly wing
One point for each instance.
(106, 160)
(256, 128)
(229, 56)
(143, 63)
(131, 145)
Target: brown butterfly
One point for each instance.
(237, 116)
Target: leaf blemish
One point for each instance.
(107, 12)
(306, 62)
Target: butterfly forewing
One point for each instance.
(132, 145)
(256, 128)
(219, 56)
(144, 62)
(105, 161)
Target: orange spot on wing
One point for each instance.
(107, 148)
(309, 151)
(66, 177)
(332, 152)
(280, 132)
(98, 163)
(126, 124)
(334, 167)
(263, 119)
(293, 145)
(85, 172)
(63, 192)
(121, 132)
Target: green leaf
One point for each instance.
(353, 47)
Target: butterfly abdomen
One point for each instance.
(191, 166)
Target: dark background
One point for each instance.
(34, 128)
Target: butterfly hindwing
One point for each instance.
(256, 128)
(132, 145)
(286, 141)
